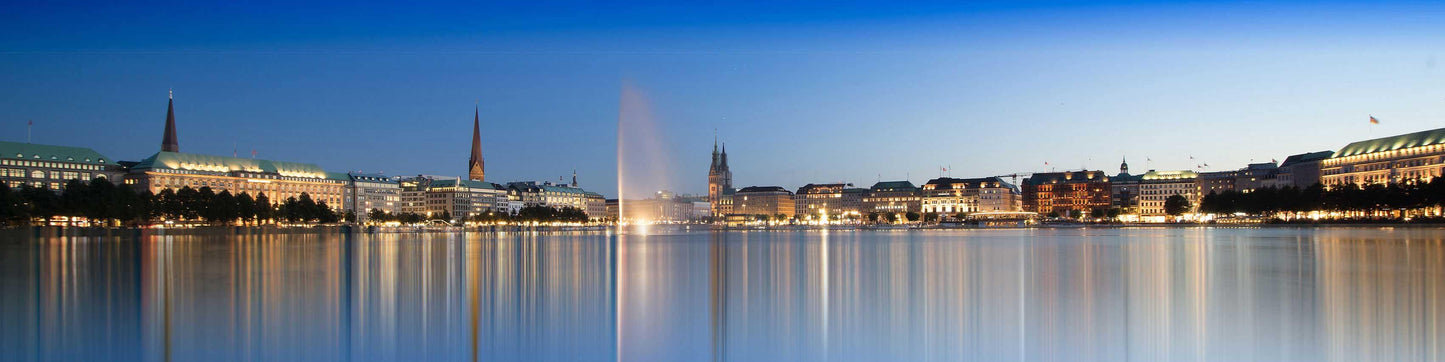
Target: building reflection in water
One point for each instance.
(1086, 294)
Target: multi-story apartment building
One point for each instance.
(366, 192)
(949, 196)
(413, 194)
(1302, 170)
(1418, 156)
(817, 201)
(51, 167)
(892, 197)
(463, 199)
(1155, 187)
(763, 200)
(1216, 182)
(1255, 176)
(1072, 193)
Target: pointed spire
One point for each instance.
(574, 177)
(476, 166)
(168, 142)
(723, 162)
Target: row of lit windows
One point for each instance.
(64, 165)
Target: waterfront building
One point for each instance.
(463, 199)
(546, 194)
(1216, 182)
(1155, 187)
(1302, 170)
(614, 209)
(763, 200)
(1124, 191)
(1390, 160)
(816, 200)
(51, 167)
(892, 197)
(413, 194)
(719, 181)
(1070, 193)
(949, 196)
(1255, 176)
(172, 169)
(366, 192)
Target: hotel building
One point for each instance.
(1389, 160)
(1155, 187)
(546, 194)
(50, 167)
(1072, 193)
(949, 196)
(172, 169)
(892, 197)
(763, 200)
(814, 200)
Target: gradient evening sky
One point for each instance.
(801, 92)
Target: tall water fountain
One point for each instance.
(643, 161)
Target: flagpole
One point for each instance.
(28, 126)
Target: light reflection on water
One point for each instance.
(1069, 294)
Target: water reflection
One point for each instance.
(1081, 294)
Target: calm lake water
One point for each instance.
(1343, 294)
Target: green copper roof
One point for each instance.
(34, 152)
(223, 164)
(1423, 138)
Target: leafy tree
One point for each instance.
(930, 217)
(245, 207)
(960, 216)
(912, 216)
(376, 216)
(1176, 205)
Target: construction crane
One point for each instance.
(1015, 176)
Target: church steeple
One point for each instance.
(1124, 166)
(476, 166)
(168, 142)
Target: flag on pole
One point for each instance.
(30, 123)
(1373, 120)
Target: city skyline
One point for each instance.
(839, 97)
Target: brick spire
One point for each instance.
(476, 166)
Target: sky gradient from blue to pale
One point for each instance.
(805, 92)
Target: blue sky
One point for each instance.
(803, 92)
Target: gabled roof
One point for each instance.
(34, 152)
(223, 164)
(1306, 157)
(1422, 138)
